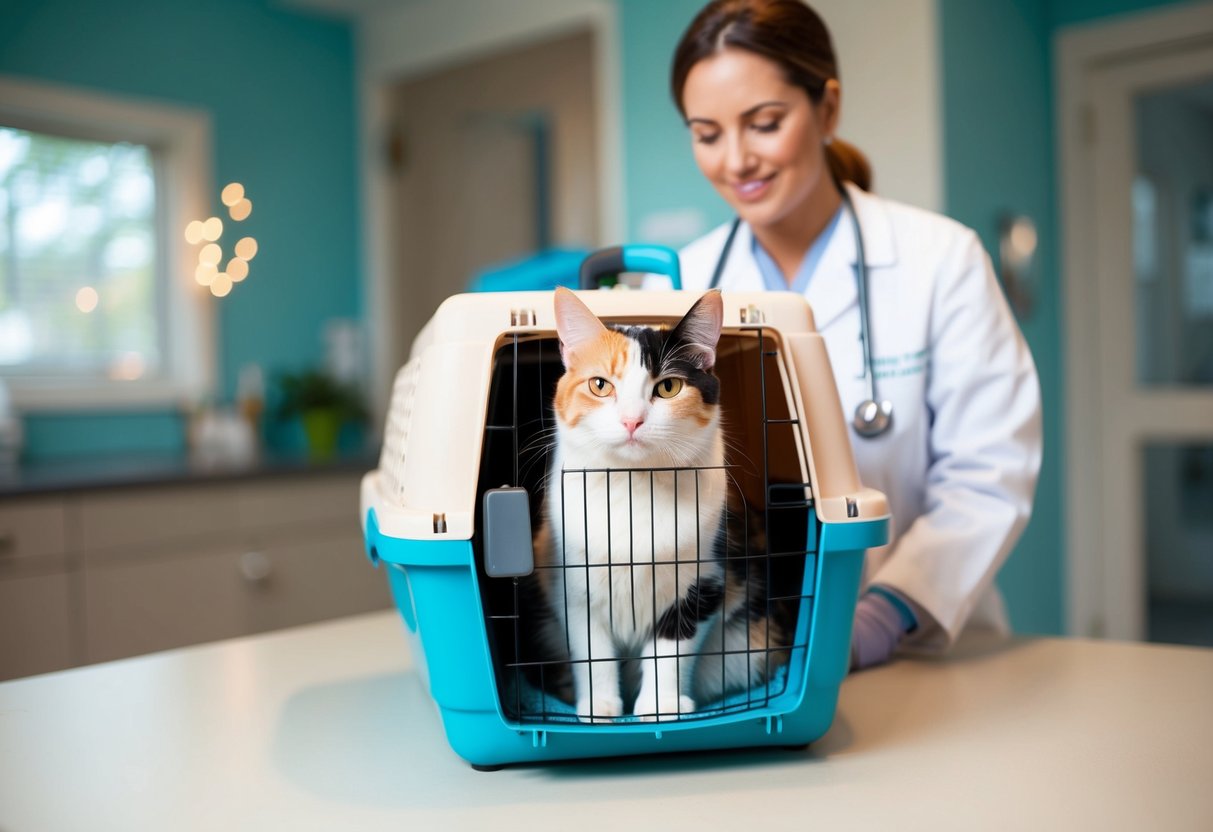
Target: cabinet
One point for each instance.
(35, 625)
(105, 574)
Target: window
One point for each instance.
(97, 299)
(78, 293)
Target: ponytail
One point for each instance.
(848, 164)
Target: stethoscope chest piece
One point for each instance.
(873, 418)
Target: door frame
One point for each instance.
(400, 42)
(1104, 568)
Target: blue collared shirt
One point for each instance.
(773, 278)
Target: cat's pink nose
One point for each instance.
(631, 425)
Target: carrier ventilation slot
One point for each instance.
(396, 432)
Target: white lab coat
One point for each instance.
(959, 465)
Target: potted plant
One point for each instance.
(323, 405)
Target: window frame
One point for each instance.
(180, 141)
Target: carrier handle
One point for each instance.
(607, 263)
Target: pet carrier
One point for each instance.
(460, 487)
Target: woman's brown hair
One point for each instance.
(786, 32)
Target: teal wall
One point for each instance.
(1000, 156)
(659, 172)
(1067, 12)
(280, 89)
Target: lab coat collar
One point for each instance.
(832, 288)
(879, 248)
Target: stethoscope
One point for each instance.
(874, 416)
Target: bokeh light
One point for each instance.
(221, 285)
(212, 229)
(193, 233)
(232, 194)
(87, 299)
(211, 253)
(128, 367)
(237, 269)
(205, 273)
(246, 248)
(208, 273)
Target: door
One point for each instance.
(1142, 402)
(495, 159)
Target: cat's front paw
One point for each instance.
(650, 708)
(599, 708)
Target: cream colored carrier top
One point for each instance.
(425, 485)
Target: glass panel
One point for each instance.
(1173, 235)
(78, 294)
(1178, 491)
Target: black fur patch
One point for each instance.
(665, 354)
(682, 619)
(756, 598)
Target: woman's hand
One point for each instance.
(878, 630)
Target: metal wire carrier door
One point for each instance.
(698, 574)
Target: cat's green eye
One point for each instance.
(601, 387)
(668, 388)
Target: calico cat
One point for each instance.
(632, 554)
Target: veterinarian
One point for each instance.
(931, 366)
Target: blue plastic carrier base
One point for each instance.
(435, 587)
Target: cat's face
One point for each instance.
(638, 396)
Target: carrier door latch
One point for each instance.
(508, 552)
(751, 315)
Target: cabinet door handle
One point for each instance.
(255, 567)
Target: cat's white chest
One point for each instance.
(637, 516)
(630, 543)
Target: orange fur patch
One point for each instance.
(542, 545)
(689, 404)
(605, 356)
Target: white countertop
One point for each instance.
(327, 727)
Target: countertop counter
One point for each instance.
(134, 470)
(328, 727)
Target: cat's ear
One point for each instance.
(699, 329)
(575, 323)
